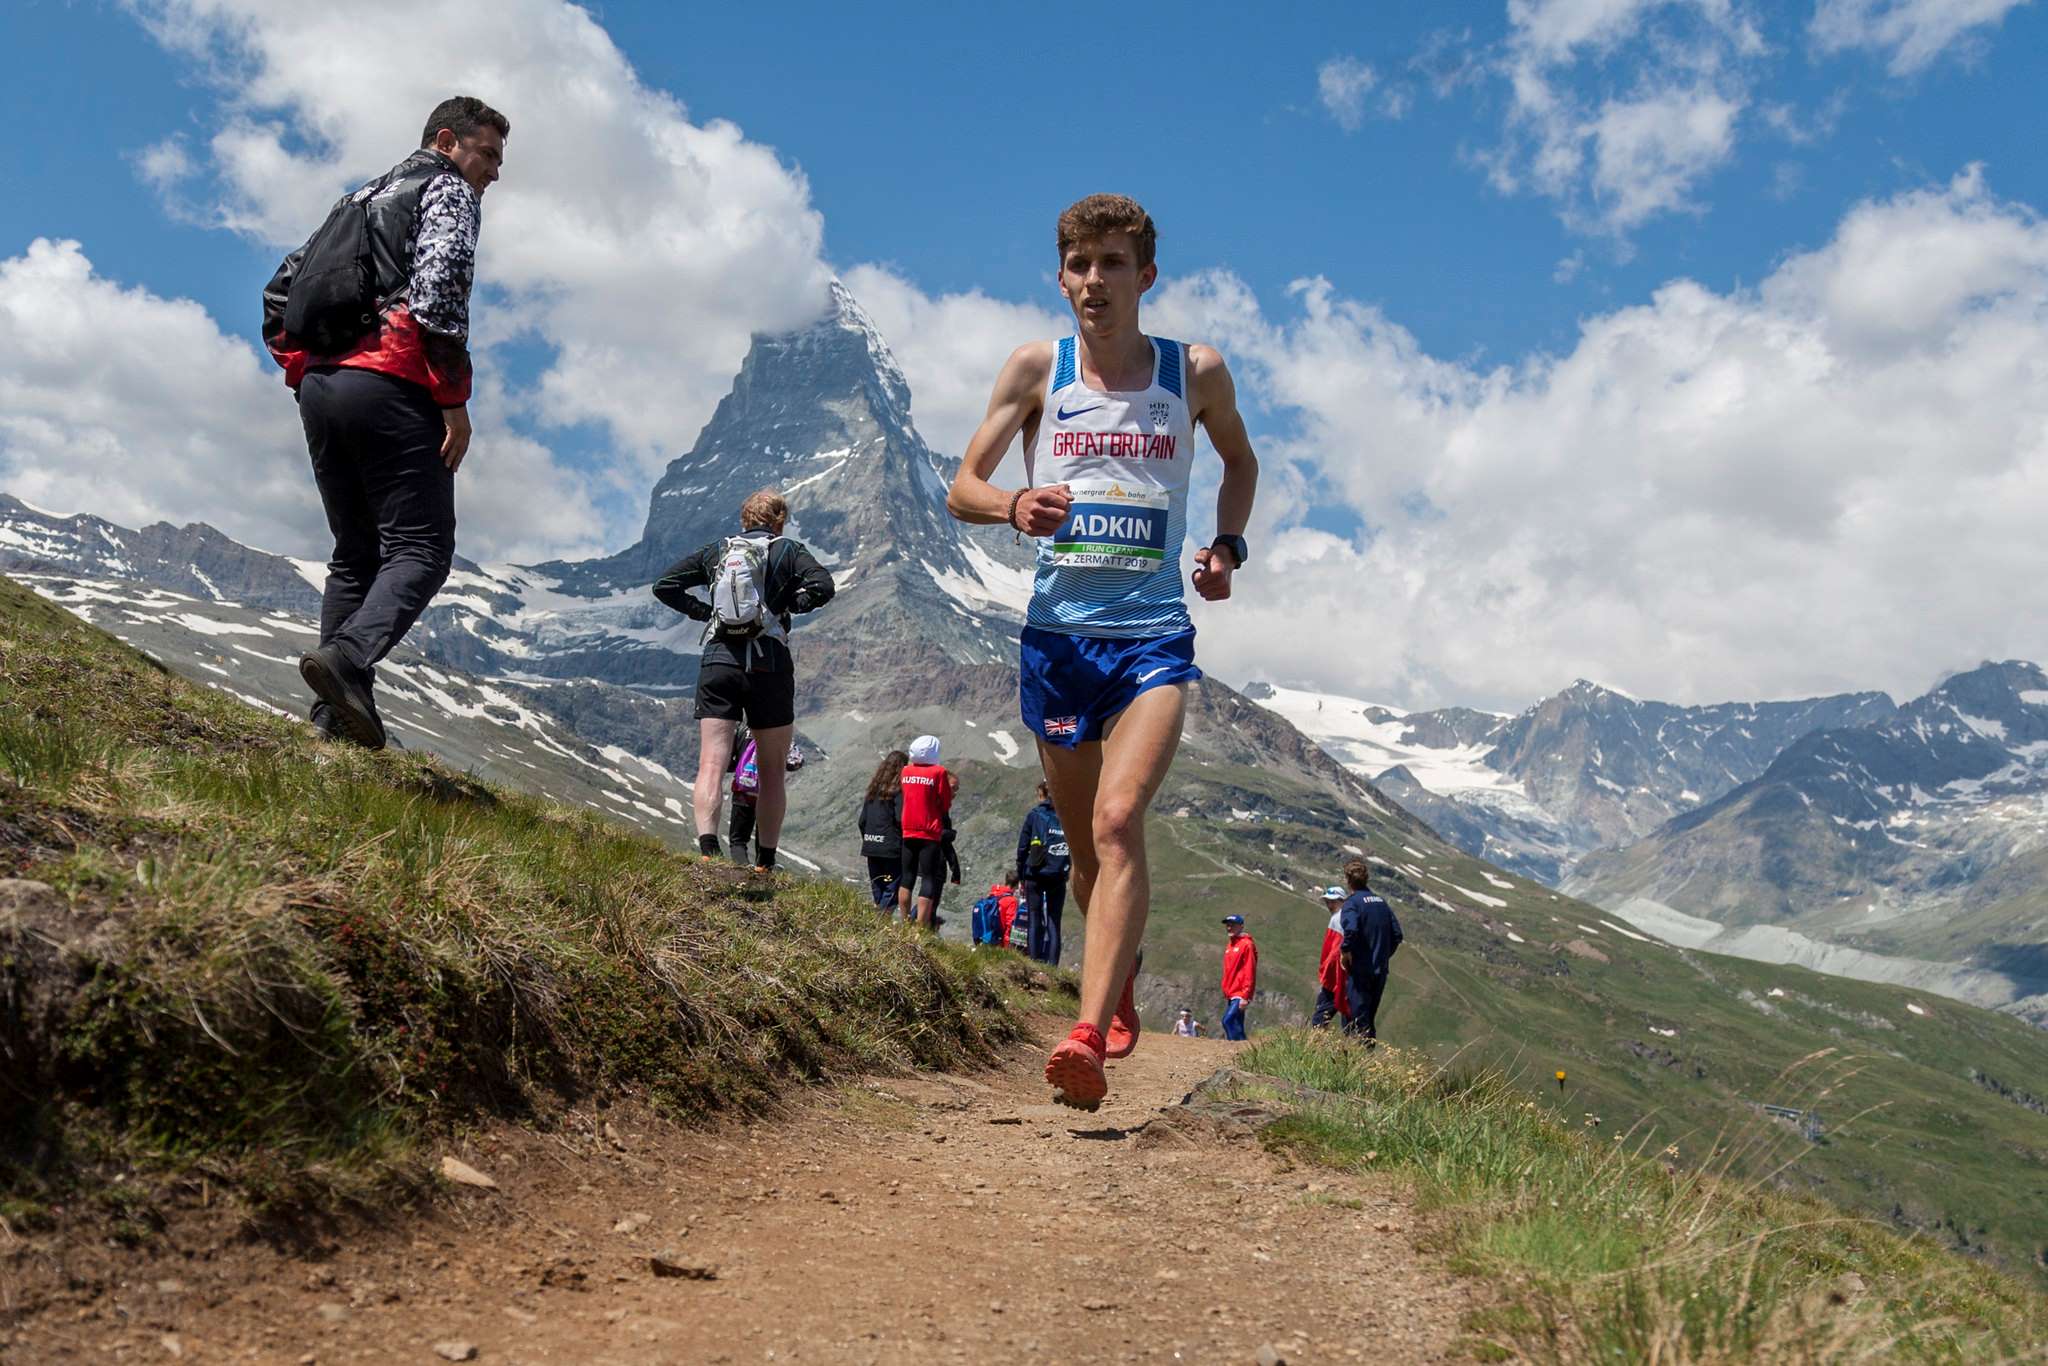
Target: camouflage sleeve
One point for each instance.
(444, 256)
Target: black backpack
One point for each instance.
(333, 299)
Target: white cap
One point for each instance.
(924, 749)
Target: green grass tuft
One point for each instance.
(1608, 1252)
(282, 965)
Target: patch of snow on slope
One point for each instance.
(1370, 747)
(1480, 897)
(207, 626)
(1005, 743)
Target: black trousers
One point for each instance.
(1326, 1008)
(390, 500)
(739, 833)
(1043, 901)
(1365, 990)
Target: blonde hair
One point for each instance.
(764, 510)
(1099, 215)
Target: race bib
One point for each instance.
(1111, 526)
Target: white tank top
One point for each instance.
(1113, 569)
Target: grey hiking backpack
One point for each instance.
(739, 590)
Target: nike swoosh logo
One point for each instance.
(1064, 414)
(1154, 673)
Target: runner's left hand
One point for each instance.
(1212, 574)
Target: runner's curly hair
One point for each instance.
(1099, 215)
(888, 779)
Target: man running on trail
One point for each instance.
(1108, 417)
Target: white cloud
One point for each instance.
(642, 248)
(162, 165)
(137, 408)
(1342, 83)
(1619, 109)
(1835, 480)
(1913, 32)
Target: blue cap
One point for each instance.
(1233, 920)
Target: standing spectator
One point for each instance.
(1330, 997)
(380, 366)
(1240, 976)
(1371, 934)
(1043, 863)
(746, 790)
(881, 829)
(1185, 1025)
(927, 802)
(756, 579)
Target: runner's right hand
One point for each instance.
(1042, 510)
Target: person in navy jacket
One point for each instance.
(1371, 934)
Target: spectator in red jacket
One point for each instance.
(1330, 998)
(927, 798)
(1240, 976)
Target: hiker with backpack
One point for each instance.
(757, 580)
(370, 322)
(746, 790)
(1043, 862)
(881, 830)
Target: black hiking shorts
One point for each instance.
(766, 698)
(924, 866)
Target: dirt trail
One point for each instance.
(946, 1219)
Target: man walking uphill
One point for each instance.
(757, 579)
(1240, 976)
(370, 320)
(1371, 934)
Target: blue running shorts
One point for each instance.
(1071, 687)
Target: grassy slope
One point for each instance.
(1612, 1252)
(1910, 1134)
(280, 964)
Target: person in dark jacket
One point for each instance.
(384, 400)
(1043, 862)
(881, 830)
(1371, 934)
(746, 670)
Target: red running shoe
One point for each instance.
(1074, 1070)
(1123, 1026)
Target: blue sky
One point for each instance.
(944, 145)
(1500, 203)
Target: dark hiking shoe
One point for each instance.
(341, 686)
(322, 717)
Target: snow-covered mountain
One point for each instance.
(1587, 768)
(921, 637)
(1924, 836)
